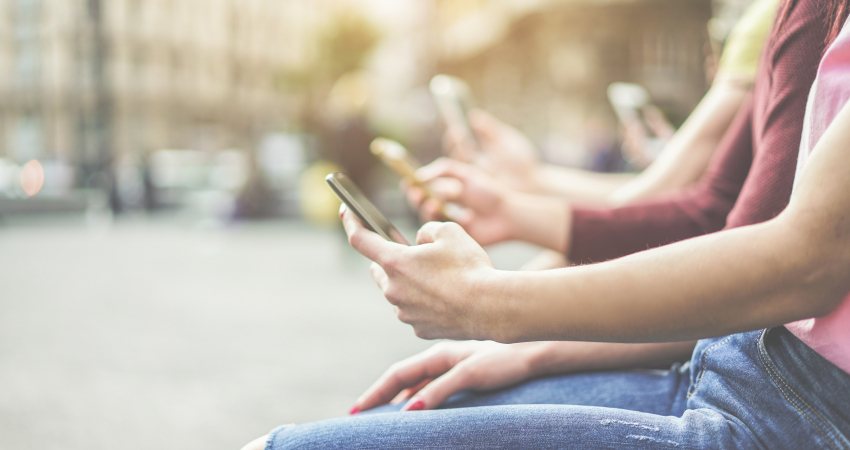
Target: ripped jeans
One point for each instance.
(761, 389)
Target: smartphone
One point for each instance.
(454, 100)
(397, 158)
(356, 201)
(628, 101)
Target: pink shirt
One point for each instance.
(828, 335)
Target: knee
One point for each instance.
(257, 444)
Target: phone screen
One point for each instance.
(356, 201)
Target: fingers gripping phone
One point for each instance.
(454, 101)
(356, 201)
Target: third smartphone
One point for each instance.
(454, 100)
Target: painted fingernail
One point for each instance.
(353, 411)
(415, 406)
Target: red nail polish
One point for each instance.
(353, 411)
(416, 406)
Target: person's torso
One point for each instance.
(828, 335)
(786, 72)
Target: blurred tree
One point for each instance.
(329, 89)
(345, 43)
(340, 46)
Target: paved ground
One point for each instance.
(171, 334)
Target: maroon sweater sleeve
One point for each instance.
(752, 170)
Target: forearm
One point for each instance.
(687, 155)
(600, 234)
(702, 287)
(538, 219)
(682, 162)
(546, 260)
(578, 185)
(555, 357)
(792, 267)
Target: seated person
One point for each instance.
(745, 389)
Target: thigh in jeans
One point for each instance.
(513, 426)
(651, 391)
(466, 423)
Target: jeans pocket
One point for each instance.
(794, 397)
(698, 365)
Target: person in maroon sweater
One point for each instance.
(749, 179)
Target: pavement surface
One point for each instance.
(184, 334)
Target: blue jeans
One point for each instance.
(761, 389)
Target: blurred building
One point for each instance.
(88, 82)
(96, 85)
(545, 65)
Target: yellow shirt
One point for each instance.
(743, 48)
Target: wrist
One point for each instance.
(499, 308)
(540, 220)
(536, 180)
(554, 357)
(511, 208)
(536, 357)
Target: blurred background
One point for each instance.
(172, 274)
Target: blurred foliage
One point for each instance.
(345, 43)
(341, 45)
(338, 51)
